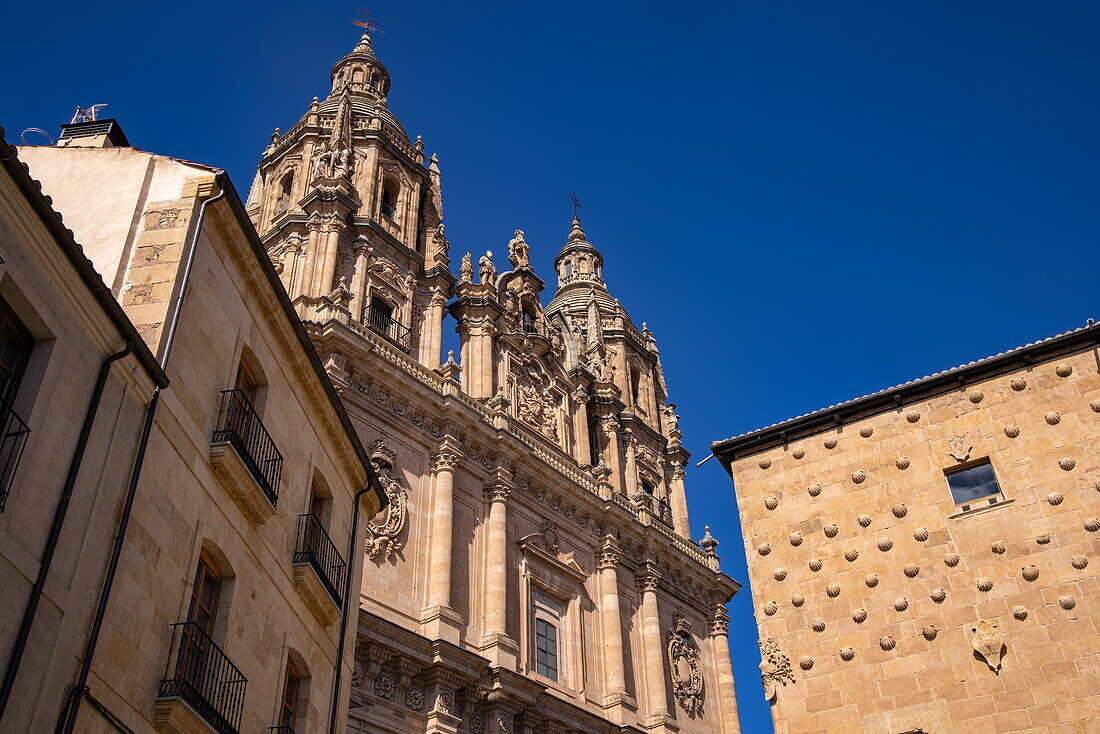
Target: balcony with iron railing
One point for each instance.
(382, 321)
(245, 457)
(280, 730)
(658, 507)
(200, 675)
(319, 570)
(13, 437)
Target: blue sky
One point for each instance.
(806, 201)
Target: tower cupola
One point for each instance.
(360, 72)
(579, 261)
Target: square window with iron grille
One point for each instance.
(546, 649)
(974, 486)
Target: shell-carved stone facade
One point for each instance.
(384, 531)
(684, 667)
(775, 667)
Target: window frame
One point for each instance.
(988, 500)
(550, 667)
(290, 708)
(14, 375)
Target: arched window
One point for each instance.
(635, 384)
(283, 202)
(357, 74)
(292, 692)
(205, 594)
(528, 321)
(389, 200)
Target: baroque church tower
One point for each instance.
(534, 571)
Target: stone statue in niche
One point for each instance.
(684, 667)
(519, 252)
(605, 368)
(466, 269)
(989, 643)
(487, 271)
(775, 667)
(384, 531)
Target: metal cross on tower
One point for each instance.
(576, 203)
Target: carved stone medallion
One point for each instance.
(989, 643)
(960, 447)
(775, 667)
(384, 531)
(685, 668)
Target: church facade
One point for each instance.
(534, 570)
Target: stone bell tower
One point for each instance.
(353, 218)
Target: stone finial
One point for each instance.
(708, 542)
(450, 369)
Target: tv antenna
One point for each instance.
(368, 23)
(37, 131)
(87, 114)
(576, 203)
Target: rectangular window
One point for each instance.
(292, 686)
(975, 485)
(546, 649)
(15, 350)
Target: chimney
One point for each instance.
(93, 134)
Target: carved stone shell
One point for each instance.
(901, 604)
(912, 416)
(911, 570)
(899, 510)
(764, 549)
(1055, 498)
(814, 490)
(1063, 370)
(1067, 463)
(985, 584)
(814, 564)
(1043, 538)
(770, 608)
(858, 476)
(951, 560)
(864, 520)
(866, 431)
(806, 663)
(1079, 562)
(833, 590)
(771, 502)
(998, 547)
(1095, 405)
(885, 544)
(798, 600)
(871, 580)
(929, 633)
(1019, 612)
(887, 643)
(859, 616)
(847, 653)
(975, 396)
(796, 538)
(938, 595)
(830, 443)
(1067, 602)
(902, 463)
(1030, 573)
(818, 625)
(1018, 384)
(831, 530)
(1053, 417)
(780, 574)
(920, 535)
(1012, 431)
(798, 453)
(1092, 524)
(851, 555)
(765, 463)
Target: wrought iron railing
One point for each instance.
(199, 673)
(657, 506)
(317, 549)
(240, 426)
(13, 437)
(382, 321)
(280, 729)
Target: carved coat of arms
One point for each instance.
(960, 447)
(384, 531)
(775, 667)
(684, 667)
(989, 643)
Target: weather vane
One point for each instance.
(368, 23)
(576, 203)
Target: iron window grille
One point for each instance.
(314, 547)
(240, 426)
(13, 437)
(200, 674)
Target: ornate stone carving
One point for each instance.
(989, 643)
(798, 453)
(414, 698)
(548, 529)
(806, 663)
(866, 431)
(771, 503)
(770, 607)
(798, 600)
(847, 654)
(357, 675)
(1067, 602)
(466, 269)
(901, 604)
(985, 584)
(796, 538)
(975, 396)
(487, 272)
(831, 530)
(887, 643)
(871, 580)
(775, 666)
(960, 447)
(384, 685)
(1018, 384)
(859, 616)
(504, 723)
(1055, 498)
(833, 590)
(685, 668)
(384, 531)
(446, 701)
(1079, 562)
(885, 544)
(445, 458)
(899, 510)
(764, 548)
(851, 555)
(765, 463)
(1019, 612)
(1092, 524)
(911, 570)
(998, 547)
(929, 633)
(780, 574)
(830, 443)
(938, 595)
(519, 252)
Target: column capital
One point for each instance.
(610, 553)
(648, 577)
(446, 456)
(497, 490)
(719, 622)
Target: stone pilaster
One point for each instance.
(611, 624)
(582, 450)
(720, 649)
(439, 620)
(678, 500)
(496, 644)
(656, 698)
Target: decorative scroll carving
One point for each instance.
(989, 644)
(384, 686)
(384, 531)
(684, 667)
(414, 698)
(775, 667)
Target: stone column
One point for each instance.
(324, 286)
(611, 624)
(678, 500)
(435, 349)
(631, 485)
(304, 285)
(582, 451)
(359, 281)
(439, 620)
(656, 709)
(727, 696)
(497, 645)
